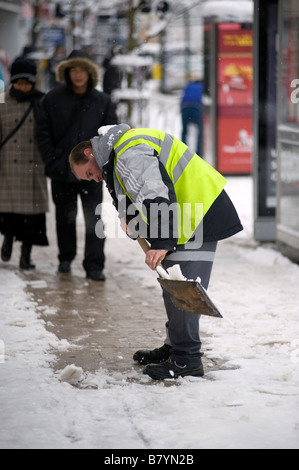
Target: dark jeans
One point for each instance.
(192, 115)
(65, 197)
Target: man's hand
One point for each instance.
(155, 257)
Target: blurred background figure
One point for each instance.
(58, 56)
(112, 75)
(191, 109)
(72, 112)
(23, 188)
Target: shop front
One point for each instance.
(288, 131)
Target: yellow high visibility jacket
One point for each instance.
(195, 182)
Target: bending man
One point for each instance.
(146, 169)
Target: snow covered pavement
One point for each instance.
(253, 402)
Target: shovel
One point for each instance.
(189, 296)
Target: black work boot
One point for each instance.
(6, 250)
(144, 356)
(25, 260)
(172, 369)
(95, 275)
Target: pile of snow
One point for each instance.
(71, 374)
(227, 10)
(172, 274)
(129, 61)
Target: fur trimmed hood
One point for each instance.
(78, 59)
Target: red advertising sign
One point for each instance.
(233, 39)
(234, 145)
(234, 82)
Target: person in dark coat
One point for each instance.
(71, 112)
(23, 185)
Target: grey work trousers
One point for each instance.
(183, 327)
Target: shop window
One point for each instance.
(290, 63)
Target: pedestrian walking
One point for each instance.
(191, 110)
(23, 185)
(71, 112)
(146, 169)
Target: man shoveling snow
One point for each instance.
(173, 198)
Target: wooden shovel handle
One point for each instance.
(144, 245)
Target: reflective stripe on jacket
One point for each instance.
(195, 181)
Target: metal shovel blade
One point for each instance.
(190, 296)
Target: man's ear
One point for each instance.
(88, 153)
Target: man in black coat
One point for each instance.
(73, 112)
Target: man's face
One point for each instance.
(23, 85)
(90, 170)
(79, 77)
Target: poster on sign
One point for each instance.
(235, 96)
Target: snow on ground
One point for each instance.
(254, 404)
